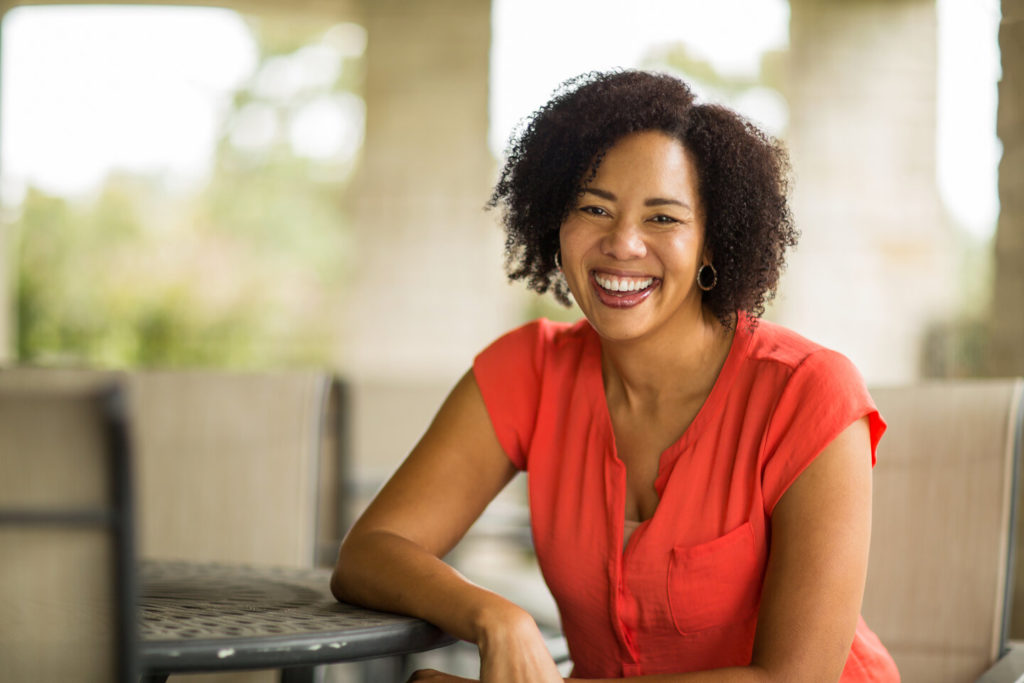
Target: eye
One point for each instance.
(593, 210)
(662, 219)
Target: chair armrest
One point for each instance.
(1008, 669)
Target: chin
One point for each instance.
(619, 330)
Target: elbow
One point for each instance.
(358, 566)
(343, 576)
(336, 586)
(338, 581)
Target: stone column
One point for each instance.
(428, 289)
(1007, 343)
(877, 262)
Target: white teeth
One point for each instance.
(622, 284)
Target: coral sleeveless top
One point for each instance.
(682, 593)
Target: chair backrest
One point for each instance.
(67, 587)
(939, 577)
(231, 466)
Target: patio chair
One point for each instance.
(231, 466)
(940, 574)
(239, 467)
(67, 586)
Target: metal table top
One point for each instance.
(212, 617)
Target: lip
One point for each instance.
(622, 299)
(614, 272)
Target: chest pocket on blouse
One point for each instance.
(714, 583)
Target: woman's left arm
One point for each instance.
(810, 604)
(821, 531)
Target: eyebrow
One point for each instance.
(653, 201)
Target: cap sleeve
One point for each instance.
(824, 395)
(508, 373)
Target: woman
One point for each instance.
(700, 481)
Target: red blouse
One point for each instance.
(684, 593)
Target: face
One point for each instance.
(633, 242)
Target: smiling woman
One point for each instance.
(700, 480)
(743, 205)
(637, 235)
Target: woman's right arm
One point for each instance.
(390, 559)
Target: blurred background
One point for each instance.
(277, 184)
(270, 185)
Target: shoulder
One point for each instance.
(784, 371)
(809, 394)
(771, 343)
(805, 387)
(779, 350)
(512, 371)
(537, 338)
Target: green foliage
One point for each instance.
(244, 272)
(90, 289)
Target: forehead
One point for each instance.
(651, 160)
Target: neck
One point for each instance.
(649, 373)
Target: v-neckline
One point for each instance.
(669, 456)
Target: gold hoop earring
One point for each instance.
(704, 273)
(558, 259)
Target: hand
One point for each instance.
(435, 676)
(512, 650)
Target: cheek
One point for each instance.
(575, 241)
(684, 249)
(572, 237)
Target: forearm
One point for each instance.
(382, 570)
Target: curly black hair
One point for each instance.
(743, 181)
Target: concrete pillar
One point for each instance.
(877, 261)
(1007, 343)
(428, 289)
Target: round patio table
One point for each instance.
(215, 617)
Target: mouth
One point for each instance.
(617, 291)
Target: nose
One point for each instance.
(624, 241)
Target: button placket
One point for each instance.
(622, 609)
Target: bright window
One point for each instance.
(172, 181)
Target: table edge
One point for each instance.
(288, 650)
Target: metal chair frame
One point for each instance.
(118, 517)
